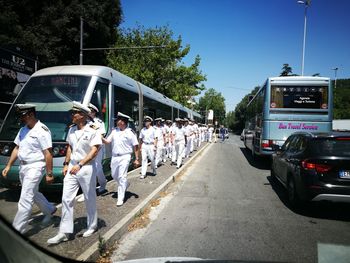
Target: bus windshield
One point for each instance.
(52, 96)
(299, 97)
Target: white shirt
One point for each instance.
(188, 130)
(179, 134)
(82, 140)
(160, 132)
(98, 124)
(32, 142)
(122, 141)
(148, 135)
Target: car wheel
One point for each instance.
(293, 198)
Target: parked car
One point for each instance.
(243, 134)
(314, 166)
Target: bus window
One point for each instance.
(100, 100)
(299, 97)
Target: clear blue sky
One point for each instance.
(241, 43)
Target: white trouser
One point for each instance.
(119, 170)
(193, 143)
(86, 179)
(98, 169)
(210, 136)
(200, 139)
(147, 152)
(189, 146)
(30, 176)
(169, 149)
(178, 152)
(159, 152)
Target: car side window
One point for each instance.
(286, 144)
(301, 144)
(292, 147)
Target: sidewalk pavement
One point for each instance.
(112, 220)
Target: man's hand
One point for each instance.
(49, 179)
(65, 170)
(5, 171)
(75, 169)
(136, 163)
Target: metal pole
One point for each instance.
(81, 41)
(303, 58)
(335, 77)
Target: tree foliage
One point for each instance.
(213, 100)
(50, 30)
(161, 67)
(286, 70)
(342, 99)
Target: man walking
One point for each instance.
(148, 145)
(179, 140)
(84, 143)
(124, 143)
(33, 149)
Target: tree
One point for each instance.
(50, 30)
(230, 120)
(213, 100)
(286, 70)
(342, 99)
(240, 111)
(160, 67)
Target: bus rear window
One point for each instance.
(299, 97)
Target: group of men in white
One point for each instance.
(82, 166)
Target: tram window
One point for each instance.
(127, 102)
(100, 100)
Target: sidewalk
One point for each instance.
(112, 220)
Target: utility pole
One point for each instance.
(81, 40)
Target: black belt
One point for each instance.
(119, 154)
(30, 162)
(148, 143)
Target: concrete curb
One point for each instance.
(119, 229)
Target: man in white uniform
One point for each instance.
(33, 149)
(98, 124)
(124, 143)
(160, 142)
(179, 140)
(189, 136)
(84, 143)
(168, 145)
(148, 145)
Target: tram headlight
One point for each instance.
(59, 149)
(6, 148)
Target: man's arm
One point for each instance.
(13, 158)
(91, 155)
(48, 159)
(67, 160)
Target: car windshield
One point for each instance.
(331, 146)
(53, 96)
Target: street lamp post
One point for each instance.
(306, 3)
(335, 77)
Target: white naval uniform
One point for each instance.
(123, 143)
(31, 144)
(189, 135)
(148, 137)
(101, 178)
(81, 142)
(179, 143)
(160, 145)
(168, 145)
(210, 134)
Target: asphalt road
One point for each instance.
(228, 207)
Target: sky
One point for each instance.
(241, 43)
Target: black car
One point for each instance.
(314, 167)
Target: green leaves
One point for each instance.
(213, 100)
(153, 57)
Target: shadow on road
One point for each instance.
(262, 163)
(321, 210)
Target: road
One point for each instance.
(228, 207)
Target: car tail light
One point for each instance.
(343, 139)
(266, 144)
(320, 168)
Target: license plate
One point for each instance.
(344, 174)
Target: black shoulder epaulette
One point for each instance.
(72, 125)
(94, 127)
(45, 128)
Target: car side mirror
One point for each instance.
(276, 148)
